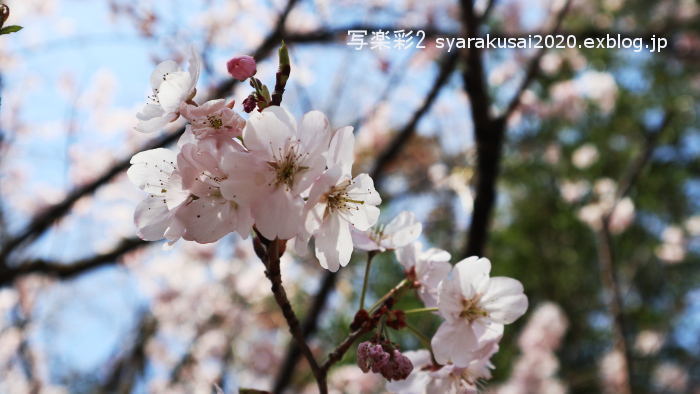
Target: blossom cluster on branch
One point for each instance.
(281, 178)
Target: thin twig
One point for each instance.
(533, 67)
(606, 255)
(402, 137)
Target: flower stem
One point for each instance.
(420, 310)
(370, 256)
(390, 293)
(423, 339)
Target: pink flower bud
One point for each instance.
(249, 104)
(363, 359)
(404, 366)
(242, 67)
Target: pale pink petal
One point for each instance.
(430, 274)
(269, 131)
(314, 131)
(403, 229)
(332, 249)
(473, 274)
(408, 255)
(450, 299)
(194, 67)
(504, 300)
(454, 342)
(362, 189)
(206, 220)
(174, 90)
(152, 218)
(363, 241)
(151, 169)
(279, 215)
(163, 68)
(342, 150)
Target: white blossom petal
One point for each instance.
(504, 300)
(454, 342)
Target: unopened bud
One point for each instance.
(242, 67)
(249, 103)
(4, 14)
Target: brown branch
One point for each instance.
(606, 255)
(385, 302)
(533, 67)
(631, 176)
(337, 353)
(131, 366)
(609, 279)
(68, 270)
(269, 253)
(489, 132)
(286, 371)
(408, 130)
(488, 135)
(187, 358)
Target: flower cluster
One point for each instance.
(282, 177)
(385, 359)
(474, 308)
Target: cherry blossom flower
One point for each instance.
(427, 378)
(401, 231)
(649, 342)
(670, 377)
(673, 248)
(427, 269)
(585, 156)
(535, 369)
(242, 67)
(337, 203)
(213, 119)
(475, 308)
(171, 87)
(210, 216)
(185, 198)
(154, 171)
(285, 158)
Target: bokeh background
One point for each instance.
(593, 154)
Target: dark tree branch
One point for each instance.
(337, 353)
(123, 377)
(286, 370)
(488, 134)
(176, 375)
(69, 270)
(269, 253)
(489, 131)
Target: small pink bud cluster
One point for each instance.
(390, 363)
